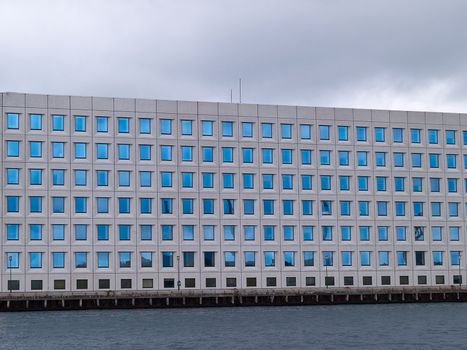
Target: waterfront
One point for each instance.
(390, 326)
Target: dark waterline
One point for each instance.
(395, 326)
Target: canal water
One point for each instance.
(396, 326)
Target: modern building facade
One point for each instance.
(130, 194)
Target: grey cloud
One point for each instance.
(354, 53)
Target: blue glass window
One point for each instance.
(124, 178)
(146, 232)
(208, 180)
(12, 148)
(415, 135)
(80, 150)
(397, 135)
(208, 232)
(247, 129)
(286, 131)
(58, 122)
(12, 120)
(12, 176)
(228, 180)
(35, 204)
(123, 124)
(434, 160)
(81, 260)
(187, 153)
(382, 233)
(102, 260)
(166, 205)
(248, 181)
(451, 160)
(362, 183)
(166, 153)
(188, 232)
(81, 232)
(229, 208)
(400, 208)
(35, 149)
(145, 205)
(382, 208)
(268, 232)
(35, 260)
(268, 207)
(35, 232)
(363, 208)
(362, 158)
(346, 233)
(227, 154)
(167, 259)
(269, 259)
(144, 125)
(380, 134)
(346, 258)
(328, 258)
(58, 260)
(288, 232)
(80, 204)
(80, 177)
(433, 136)
(102, 150)
(12, 232)
(267, 155)
(287, 182)
(307, 232)
(306, 182)
(380, 159)
(166, 179)
(324, 132)
(145, 178)
(416, 160)
(381, 183)
(436, 233)
(80, 123)
(361, 133)
(326, 207)
(364, 232)
(35, 121)
(187, 180)
(305, 156)
(344, 158)
(344, 208)
(305, 131)
(123, 151)
(208, 153)
(365, 258)
(249, 232)
(248, 207)
(417, 184)
(102, 177)
(344, 183)
(102, 232)
(124, 232)
(102, 204)
(124, 205)
(247, 155)
(398, 158)
(144, 152)
(450, 137)
(287, 207)
(12, 204)
(399, 184)
(208, 206)
(325, 182)
(187, 127)
(167, 232)
(207, 127)
(229, 232)
(342, 133)
(227, 129)
(325, 157)
(165, 126)
(102, 124)
(266, 130)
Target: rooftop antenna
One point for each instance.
(231, 96)
(240, 89)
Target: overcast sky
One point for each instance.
(400, 54)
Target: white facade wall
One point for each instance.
(26, 274)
